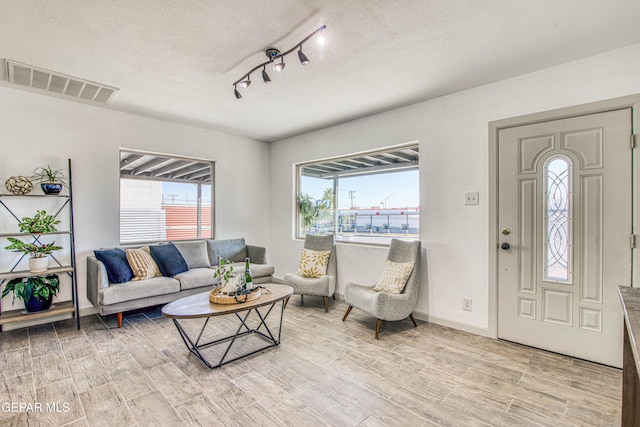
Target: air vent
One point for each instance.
(62, 84)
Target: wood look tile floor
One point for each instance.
(325, 372)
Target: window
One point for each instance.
(368, 197)
(164, 198)
(557, 220)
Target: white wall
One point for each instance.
(453, 136)
(37, 130)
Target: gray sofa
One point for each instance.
(202, 258)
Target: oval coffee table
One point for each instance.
(198, 306)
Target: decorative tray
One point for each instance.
(216, 297)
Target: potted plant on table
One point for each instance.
(225, 276)
(36, 292)
(51, 180)
(38, 252)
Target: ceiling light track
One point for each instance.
(273, 55)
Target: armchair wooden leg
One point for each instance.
(413, 320)
(301, 299)
(286, 301)
(119, 320)
(347, 313)
(378, 324)
(326, 304)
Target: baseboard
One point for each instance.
(466, 327)
(88, 311)
(425, 317)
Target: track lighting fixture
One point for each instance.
(280, 65)
(245, 83)
(303, 58)
(274, 54)
(265, 76)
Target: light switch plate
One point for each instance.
(471, 198)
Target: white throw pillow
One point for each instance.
(394, 277)
(313, 264)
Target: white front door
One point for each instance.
(564, 224)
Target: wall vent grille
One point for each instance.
(62, 84)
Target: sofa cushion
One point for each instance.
(140, 289)
(257, 270)
(196, 278)
(142, 264)
(169, 259)
(115, 261)
(232, 249)
(194, 253)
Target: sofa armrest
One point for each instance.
(96, 279)
(257, 254)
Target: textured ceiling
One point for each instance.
(177, 59)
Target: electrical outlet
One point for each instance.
(472, 198)
(466, 304)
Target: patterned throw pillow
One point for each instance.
(394, 277)
(313, 264)
(142, 264)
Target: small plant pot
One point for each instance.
(35, 304)
(50, 188)
(37, 265)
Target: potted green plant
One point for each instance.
(224, 275)
(40, 223)
(51, 180)
(36, 292)
(37, 252)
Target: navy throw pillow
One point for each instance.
(115, 260)
(169, 259)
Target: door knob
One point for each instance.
(505, 246)
(506, 231)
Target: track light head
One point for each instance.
(235, 91)
(303, 58)
(320, 39)
(265, 76)
(245, 83)
(279, 66)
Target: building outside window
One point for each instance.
(165, 198)
(366, 197)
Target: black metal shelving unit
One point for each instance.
(61, 307)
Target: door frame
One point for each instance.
(631, 101)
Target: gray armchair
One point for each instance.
(324, 286)
(385, 306)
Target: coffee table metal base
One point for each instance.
(262, 331)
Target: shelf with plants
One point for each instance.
(34, 234)
(27, 273)
(34, 240)
(20, 315)
(46, 196)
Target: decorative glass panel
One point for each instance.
(557, 220)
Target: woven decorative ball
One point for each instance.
(18, 185)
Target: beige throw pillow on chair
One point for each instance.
(313, 264)
(142, 264)
(394, 277)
